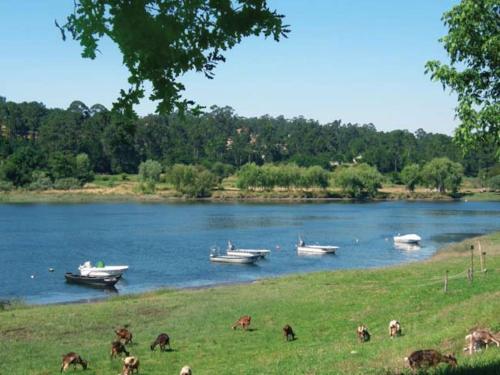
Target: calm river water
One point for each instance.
(167, 245)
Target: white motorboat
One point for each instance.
(232, 250)
(87, 269)
(407, 238)
(233, 259)
(315, 249)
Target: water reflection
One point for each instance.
(407, 246)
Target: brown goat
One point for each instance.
(244, 322)
(72, 359)
(288, 333)
(429, 358)
(117, 348)
(163, 340)
(479, 338)
(124, 334)
(130, 365)
(363, 334)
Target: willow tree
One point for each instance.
(473, 73)
(161, 40)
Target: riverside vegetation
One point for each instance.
(43, 149)
(438, 180)
(323, 308)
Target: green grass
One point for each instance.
(323, 308)
(483, 196)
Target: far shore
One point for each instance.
(128, 193)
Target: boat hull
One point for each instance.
(409, 238)
(102, 282)
(249, 252)
(234, 259)
(316, 250)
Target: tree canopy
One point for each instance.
(160, 40)
(473, 45)
(35, 138)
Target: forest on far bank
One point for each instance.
(38, 143)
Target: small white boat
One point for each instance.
(233, 259)
(232, 250)
(408, 238)
(315, 249)
(87, 269)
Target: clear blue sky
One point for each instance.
(355, 60)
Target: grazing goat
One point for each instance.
(394, 328)
(130, 365)
(363, 334)
(162, 340)
(480, 338)
(186, 370)
(244, 322)
(288, 333)
(429, 358)
(72, 359)
(124, 334)
(117, 348)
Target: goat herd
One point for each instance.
(476, 340)
(130, 363)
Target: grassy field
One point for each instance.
(323, 308)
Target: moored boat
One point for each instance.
(408, 238)
(234, 259)
(315, 249)
(96, 281)
(101, 270)
(232, 250)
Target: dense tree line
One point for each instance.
(38, 143)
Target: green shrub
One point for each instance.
(6, 185)
(150, 170)
(494, 182)
(202, 186)
(83, 170)
(40, 181)
(269, 176)
(222, 170)
(359, 181)
(62, 165)
(410, 176)
(315, 177)
(67, 183)
(443, 174)
(194, 182)
(148, 187)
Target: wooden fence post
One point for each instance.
(469, 275)
(482, 255)
(446, 281)
(471, 263)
